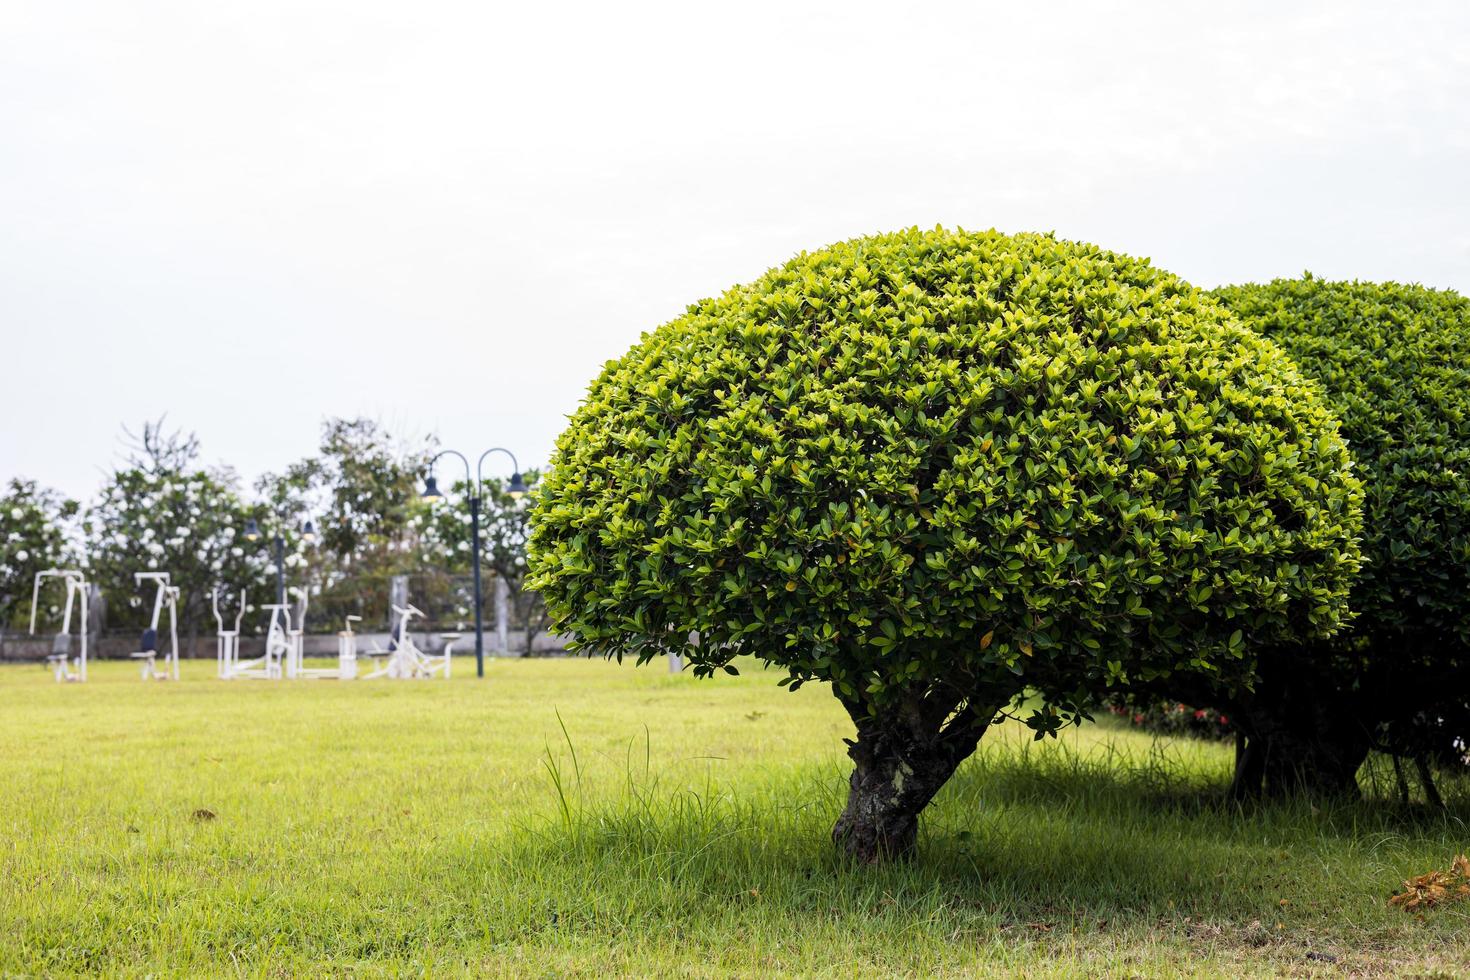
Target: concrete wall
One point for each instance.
(24, 648)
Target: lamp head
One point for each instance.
(431, 488)
(308, 533)
(252, 530)
(517, 488)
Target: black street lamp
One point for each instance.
(474, 481)
(252, 534)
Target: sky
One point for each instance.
(447, 216)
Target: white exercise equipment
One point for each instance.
(166, 595)
(283, 646)
(283, 642)
(227, 642)
(347, 650)
(62, 664)
(405, 660)
(346, 668)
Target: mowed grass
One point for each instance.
(567, 817)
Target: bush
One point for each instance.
(931, 468)
(1176, 719)
(1394, 361)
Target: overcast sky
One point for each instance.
(447, 216)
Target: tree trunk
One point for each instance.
(1250, 770)
(1302, 737)
(900, 760)
(1426, 779)
(1321, 763)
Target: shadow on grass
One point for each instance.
(1018, 835)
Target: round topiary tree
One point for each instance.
(933, 468)
(1394, 361)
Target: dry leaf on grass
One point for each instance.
(1436, 887)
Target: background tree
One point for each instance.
(33, 537)
(505, 530)
(1394, 361)
(361, 490)
(161, 512)
(932, 468)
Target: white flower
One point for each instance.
(22, 555)
(17, 514)
(182, 532)
(237, 552)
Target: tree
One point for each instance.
(162, 512)
(33, 523)
(361, 489)
(1394, 361)
(505, 529)
(933, 468)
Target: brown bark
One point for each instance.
(901, 758)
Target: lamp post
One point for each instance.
(474, 481)
(252, 534)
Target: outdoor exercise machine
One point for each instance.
(62, 664)
(346, 668)
(347, 650)
(283, 642)
(227, 642)
(166, 595)
(405, 660)
(283, 645)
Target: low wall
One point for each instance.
(25, 648)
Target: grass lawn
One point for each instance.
(673, 826)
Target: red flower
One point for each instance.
(1199, 714)
(1138, 719)
(1224, 720)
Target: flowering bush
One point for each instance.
(1176, 719)
(33, 537)
(189, 524)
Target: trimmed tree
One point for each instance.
(1394, 361)
(934, 468)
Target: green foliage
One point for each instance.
(1394, 361)
(33, 524)
(371, 490)
(950, 459)
(361, 492)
